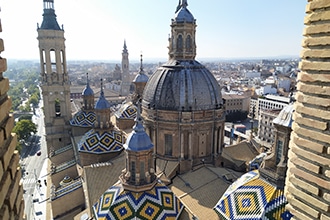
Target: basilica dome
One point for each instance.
(182, 86)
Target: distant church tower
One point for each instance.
(55, 81)
(126, 82)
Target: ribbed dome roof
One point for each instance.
(182, 86)
(184, 15)
(102, 103)
(87, 91)
(138, 140)
(141, 77)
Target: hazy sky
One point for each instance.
(96, 29)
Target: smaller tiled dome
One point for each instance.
(99, 142)
(251, 197)
(127, 111)
(158, 203)
(83, 119)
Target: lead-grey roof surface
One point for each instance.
(138, 140)
(49, 21)
(87, 91)
(141, 77)
(182, 86)
(184, 15)
(102, 103)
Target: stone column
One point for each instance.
(190, 146)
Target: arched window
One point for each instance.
(133, 171)
(168, 144)
(188, 43)
(43, 61)
(62, 61)
(179, 43)
(53, 60)
(279, 151)
(57, 108)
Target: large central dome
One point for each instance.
(182, 104)
(182, 86)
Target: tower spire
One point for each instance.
(49, 17)
(141, 64)
(125, 79)
(182, 4)
(125, 47)
(102, 93)
(88, 96)
(138, 127)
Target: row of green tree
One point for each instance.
(25, 93)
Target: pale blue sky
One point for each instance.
(96, 29)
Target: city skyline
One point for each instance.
(225, 29)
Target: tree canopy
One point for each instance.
(24, 129)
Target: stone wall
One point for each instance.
(11, 196)
(308, 177)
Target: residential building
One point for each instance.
(236, 102)
(266, 132)
(271, 102)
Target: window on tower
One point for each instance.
(57, 108)
(279, 151)
(168, 144)
(53, 60)
(43, 61)
(133, 171)
(62, 61)
(180, 43)
(188, 43)
(142, 172)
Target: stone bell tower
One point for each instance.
(126, 81)
(55, 81)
